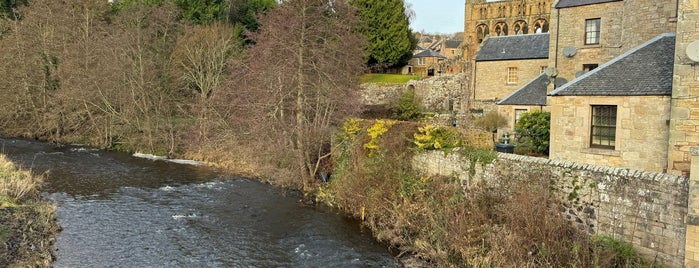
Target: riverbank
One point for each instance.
(27, 219)
(446, 221)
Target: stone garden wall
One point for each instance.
(646, 209)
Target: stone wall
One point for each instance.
(692, 237)
(438, 93)
(644, 208)
(640, 143)
(684, 125)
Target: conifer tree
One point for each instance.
(386, 27)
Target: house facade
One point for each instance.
(588, 33)
(617, 114)
(425, 63)
(504, 64)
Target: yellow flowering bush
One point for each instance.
(432, 137)
(379, 128)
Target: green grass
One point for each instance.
(388, 78)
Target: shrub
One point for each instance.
(533, 128)
(491, 121)
(436, 138)
(407, 107)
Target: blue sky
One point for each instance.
(437, 16)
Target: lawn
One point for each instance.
(388, 78)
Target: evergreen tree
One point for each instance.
(8, 8)
(386, 27)
(203, 11)
(245, 12)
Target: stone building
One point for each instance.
(588, 33)
(617, 114)
(425, 63)
(503, 65)
(684, 120)
(530, 97)
(502, 18)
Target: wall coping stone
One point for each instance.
(604, 170)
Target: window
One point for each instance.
(603, 130)
(518, 114)
(520, 27)
(589, 67)
(592, 27)
(541, 26)
(420, 61)
(512, 75)
(453, 52)
(481, 32)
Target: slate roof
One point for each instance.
(514, 47)
(645, 70)
(452, 43)
(575, 3)
(429, 53)
(532, 93)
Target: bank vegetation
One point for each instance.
(446, 222)
(27, 220)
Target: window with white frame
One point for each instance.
(420, 61)
(592, 31)
(512, 75)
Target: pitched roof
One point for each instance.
(532, 93)
(452, 43)
(514, 47)
(645, 70)
(575, 3)
(429, 53)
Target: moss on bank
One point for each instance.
(27, 220)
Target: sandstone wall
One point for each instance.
(644, 208)
(684, 125)
(641, 131)
(491, 77)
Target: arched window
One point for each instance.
(481, 32)
(541, 26)
(520, 27)
(501, 29)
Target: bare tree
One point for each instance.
(304, 70)
(201, 64)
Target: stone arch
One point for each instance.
(541, 26)
(520, 27)
(481, 32)
(500, 29)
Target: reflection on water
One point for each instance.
(120, 211)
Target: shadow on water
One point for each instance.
(121, 211)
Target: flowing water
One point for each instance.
(117, 210)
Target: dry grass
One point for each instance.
(506, 222)
(14, 183)
(27, 221)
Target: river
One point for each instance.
(117, 210)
